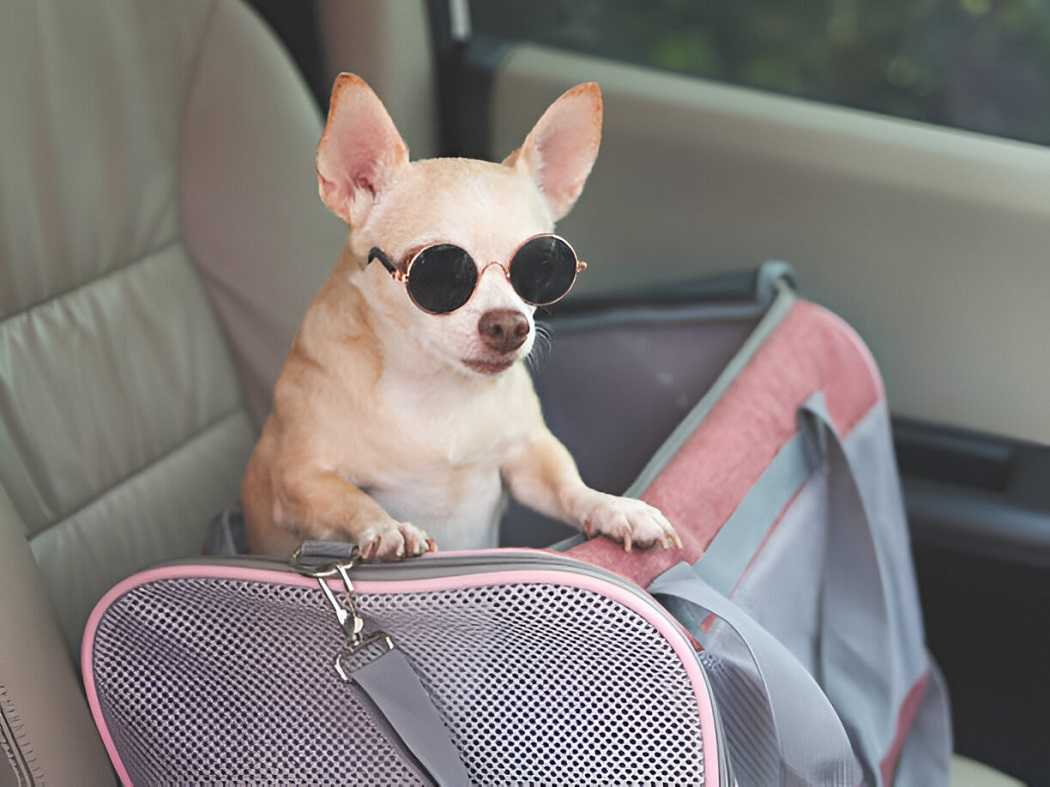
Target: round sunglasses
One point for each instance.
(442, 277)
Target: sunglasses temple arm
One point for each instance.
(377, 254)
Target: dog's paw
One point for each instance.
(393, 540)
(629, 521)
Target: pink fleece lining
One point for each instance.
(666, 626)
(701, 486)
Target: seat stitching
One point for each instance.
(194, 437)
(147, 257)
(15, 743)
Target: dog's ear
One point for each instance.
(360, 150)
(561, 148)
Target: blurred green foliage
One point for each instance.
(982, 65)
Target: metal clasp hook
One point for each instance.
(347, 615)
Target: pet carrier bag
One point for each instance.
(782, 645)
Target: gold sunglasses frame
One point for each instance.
(402, 276)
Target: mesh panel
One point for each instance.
(227, 681)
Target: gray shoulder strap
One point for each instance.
(852, 677)
(395, 689)
(786, 698)
(793, 734)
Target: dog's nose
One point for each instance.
(503, 330)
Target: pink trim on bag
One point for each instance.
(905, 719)
(86, 668)
(702, 485)
(667, 627)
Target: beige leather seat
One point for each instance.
(160, 238)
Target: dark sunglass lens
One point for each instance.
(543, 270)
(442, 278)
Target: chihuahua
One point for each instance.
(404, 411)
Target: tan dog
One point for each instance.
(398, 429)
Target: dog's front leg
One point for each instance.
(543, 476)
(316, 503)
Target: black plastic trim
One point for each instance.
(471, 123)
(973, 493)
(977, 522)
(752, 286)
(465, 73)
(447, 53)
(953, 456)
(297, 26)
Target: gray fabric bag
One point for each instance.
(782, 480)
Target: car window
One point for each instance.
(980, 65)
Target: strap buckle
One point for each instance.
(358, 645)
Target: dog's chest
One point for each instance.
(445, 453)
(449, 427)
(459, 511)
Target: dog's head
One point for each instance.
(487, 209)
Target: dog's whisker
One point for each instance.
(541, 349)
(544, 333)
